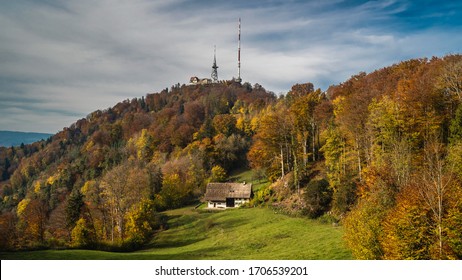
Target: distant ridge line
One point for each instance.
(16, 138)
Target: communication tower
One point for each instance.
(214, 66)
(238, 79)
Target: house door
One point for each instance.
(230, 202)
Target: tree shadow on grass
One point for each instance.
(232, 223)
(180, 220)
(205, 253)
(174, 243)
(199, 254)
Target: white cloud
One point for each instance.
(70, 58)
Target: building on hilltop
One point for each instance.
(214, 77)
(227, 195)
(197, 81)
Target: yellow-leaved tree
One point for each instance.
(123, 187)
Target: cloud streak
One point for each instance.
(61, 60)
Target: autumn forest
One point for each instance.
(379, 154)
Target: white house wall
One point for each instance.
(237, 203)
(213, 204)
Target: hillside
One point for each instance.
(380, 153)
(16, 138)
(148, 146)
(258, 234)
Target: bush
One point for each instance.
(318, 197)
(218, 174)
(344, 198)
(329, 219)
(261, 196)
(141, 222)
(82, 235)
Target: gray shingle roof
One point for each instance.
(221, 191)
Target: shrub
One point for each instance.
(82, 235)
(141, 222)
(218, 174)
(318, 197)
(344, 198)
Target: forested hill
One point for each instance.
(162, 146)
(380, 153)
(167, 121)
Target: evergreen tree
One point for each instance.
(74, 204)
(318, 197)
(455, 128)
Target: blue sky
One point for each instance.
(60, 60)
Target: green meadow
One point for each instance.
(248, 233)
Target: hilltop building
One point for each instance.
(197, 81)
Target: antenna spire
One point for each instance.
(239, 54)
(214, 66)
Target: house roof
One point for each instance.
(222, 191)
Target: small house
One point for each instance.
(197, 81)
(194, 80)
(227, 195)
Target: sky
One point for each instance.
(61, 60)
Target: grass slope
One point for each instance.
(256, 233)
(249, 176)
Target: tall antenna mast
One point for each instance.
(239, 54)
(214, 66)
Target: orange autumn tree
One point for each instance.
(32, 215)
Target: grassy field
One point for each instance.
(256, 233)
(248, 175)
